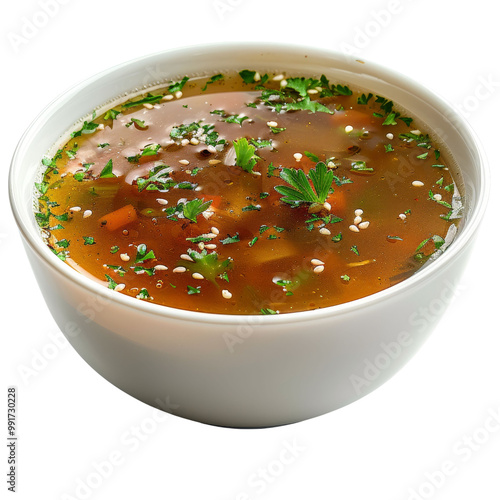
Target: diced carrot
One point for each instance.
(119, 218)
(337, 200)
(216, 200)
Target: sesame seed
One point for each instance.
(297, 156)
(148, 105)
(256, 173)
(211, 149)
(167, 97)
(317, 262)
(312, 91)
(185, 256)
(125, 257)
(198, 276)
(213, 162)
(210, 246)
(209, 235)
(178, 94)
(327, 206)
(272, 124)
(184, 162)
(214, 230)
(390, 136)
(319, 269)
(194, 141)
(120, 287)
(87, 213)
(364, 225)
(161, 201)
(417, 183)
(358, 212)
(283, 83)
(438, 197)
(100, 126)
(75, 209)
(160, 267)
(416, 132)
(278, 77)
(354, 228)
(402, 216)
(325, 231)
(226, 294)
(349, 128)
(179, 269)
(256, 77)
(184, 142)
(357, 220)
(201, 245)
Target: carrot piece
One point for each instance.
(119, 218)
(337, 200)
(216, 200)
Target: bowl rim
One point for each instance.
(461, 241)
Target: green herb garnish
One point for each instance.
(245, 154)
(107, 171)
(143, 253)
(301, 190)
(231, 239)
(191, 209)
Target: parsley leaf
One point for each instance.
(231, 239)
(143, 254)
(301, 190)
(149, 99)
(207, 264)
(212, 80)
(193, 208)
(111, 114)
(245, 154)
(87, 127)
(107, 171)
(176, 86)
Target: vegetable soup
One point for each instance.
(250, 193)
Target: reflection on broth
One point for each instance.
(249, 194)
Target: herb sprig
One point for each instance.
(300, 189)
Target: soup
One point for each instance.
(250, 193)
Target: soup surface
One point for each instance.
(249, 194)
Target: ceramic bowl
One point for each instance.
(245, 371)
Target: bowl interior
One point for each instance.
(51, 128)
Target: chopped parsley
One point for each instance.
(245, 154)
(143, 254)
(191, 209)
(300, 190)
(231, 239)
(107, 171)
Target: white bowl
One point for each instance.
(245, 371)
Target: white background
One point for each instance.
(80, 437)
